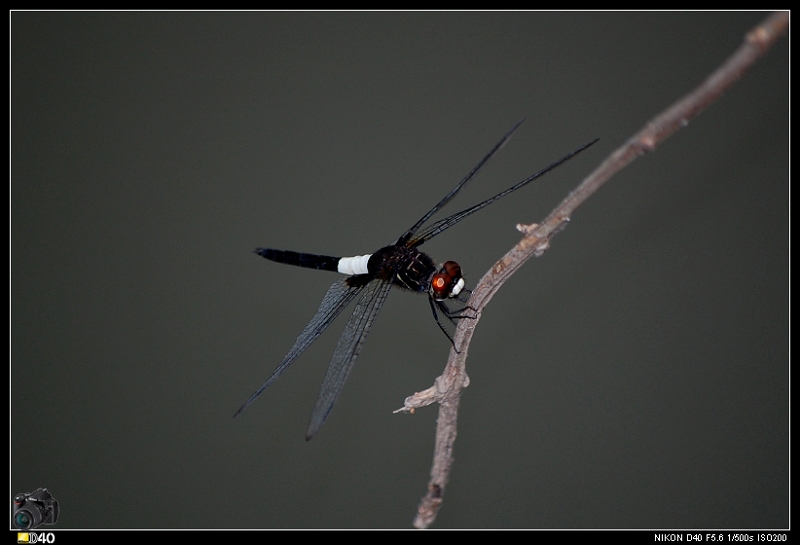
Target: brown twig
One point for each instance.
(448, 387)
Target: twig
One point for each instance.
(447, 388)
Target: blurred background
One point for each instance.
(635, 376)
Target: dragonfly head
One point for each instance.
(447, 282)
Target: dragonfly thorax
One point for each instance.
(403, 266)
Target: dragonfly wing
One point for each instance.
(350, 343)
(447, 198)
(446, 223)
(338, 297)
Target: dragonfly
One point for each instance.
(371, 276)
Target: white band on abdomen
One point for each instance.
(354, 265)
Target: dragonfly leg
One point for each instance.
(446, 312)
(456, 314)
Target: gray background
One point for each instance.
(636, 376)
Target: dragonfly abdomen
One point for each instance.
(309, 261)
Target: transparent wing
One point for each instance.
(338, 297)
(350, 343)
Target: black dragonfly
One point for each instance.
(373, 275)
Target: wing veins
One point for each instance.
(348, 349)
(336, 299)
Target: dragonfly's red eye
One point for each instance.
(440, 286)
